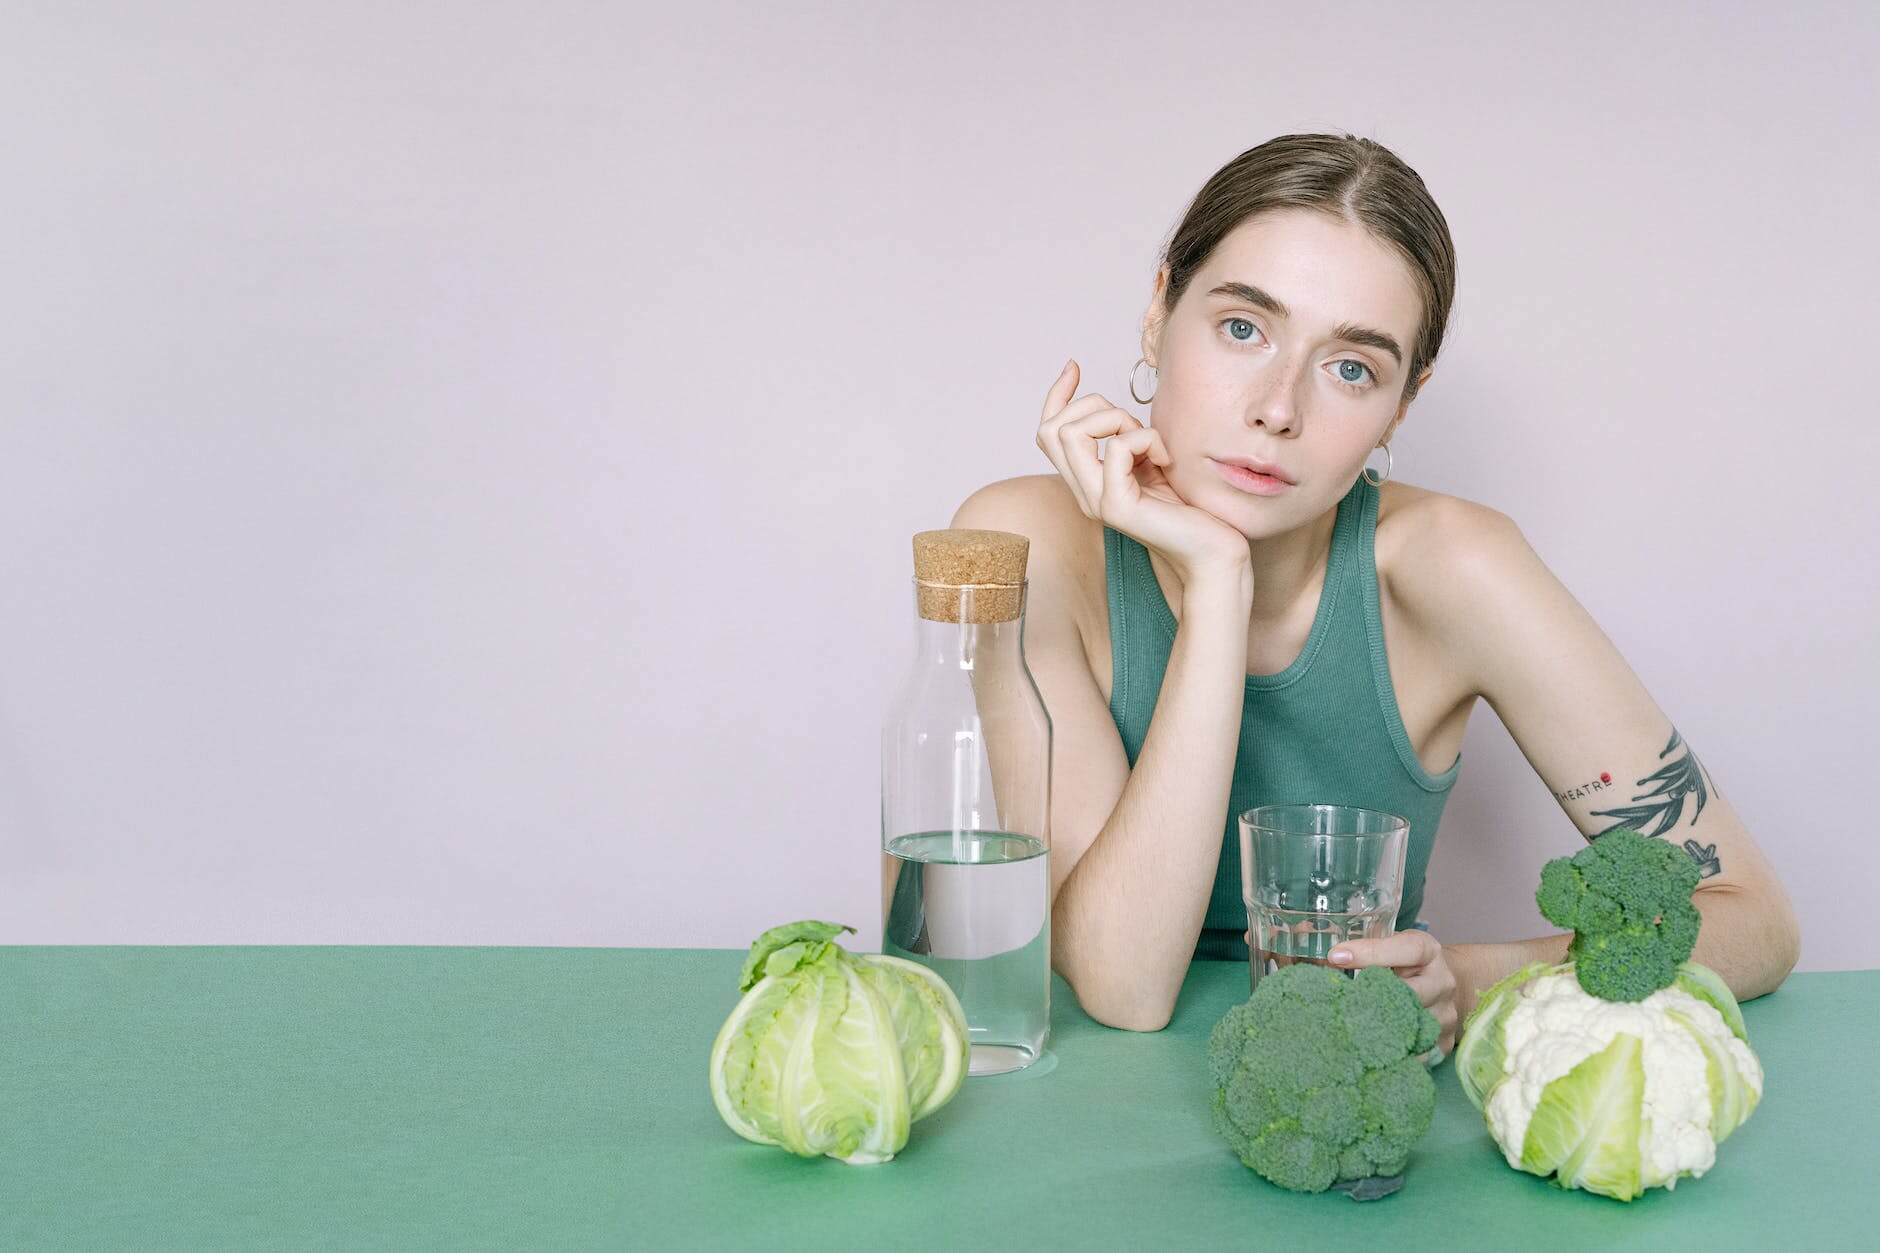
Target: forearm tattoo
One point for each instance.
(1660, 805)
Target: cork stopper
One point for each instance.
(990, 563)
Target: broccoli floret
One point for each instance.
(1317, 1077)
(1628, 899)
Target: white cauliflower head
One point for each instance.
(1613, 1097)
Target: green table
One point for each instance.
(413, 1098)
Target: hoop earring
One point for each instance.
(1390, 463)
(1140, 362)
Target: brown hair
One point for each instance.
(1351, 178)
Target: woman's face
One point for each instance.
(1288, 349)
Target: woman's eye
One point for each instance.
(1352, 372)
(1241, 330)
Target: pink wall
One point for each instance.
(456, 467)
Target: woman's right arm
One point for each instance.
(1133, 852)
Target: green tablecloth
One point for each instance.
(411, 1098)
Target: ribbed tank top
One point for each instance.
(1325, 730)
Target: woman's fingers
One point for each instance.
(1058, 410)
(1434, 986)
(1158, 451)
(1056, 400)
(1076, 442)
(1437, 993)
(1062, 389)
(1417, 957)
(1050, 440)
(1068, 432)
(1135, 496)
(1119, 464)
(1058, 405)
(1405, 948)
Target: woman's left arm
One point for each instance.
(1597, 739)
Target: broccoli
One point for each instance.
(1628, 899)
(1317, 1078)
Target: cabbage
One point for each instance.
(832, 1053)
(1609, 1096)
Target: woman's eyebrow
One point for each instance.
(1347, 331)
(1369, 338)
(1253, 296)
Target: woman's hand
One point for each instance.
(1126, 489)
(1418, 959)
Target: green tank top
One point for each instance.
(1325, 730)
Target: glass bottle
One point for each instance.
(966, 797)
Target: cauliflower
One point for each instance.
(1623, 1069)
(1614, 1096)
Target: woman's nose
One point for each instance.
(1277, 407)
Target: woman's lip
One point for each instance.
(1248, 481)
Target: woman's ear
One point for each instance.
(1403, 406)
(1153, 319)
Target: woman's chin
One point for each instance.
(1254, 517)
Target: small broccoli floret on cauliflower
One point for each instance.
(1318, 1078)
(1627, 898)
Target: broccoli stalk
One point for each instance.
(1628, 899)
(1318, 1079)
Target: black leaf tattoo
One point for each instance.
(1705, 855)
(1660, 806)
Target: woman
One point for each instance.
(1336, 626)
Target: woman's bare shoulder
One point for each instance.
(1037, 506)
(1065, 564)
(1425, 537)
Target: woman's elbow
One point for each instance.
(1125, 1013)
(1788, 943)
(1778, 947)
(1132, 1018)
(1139, 1020)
